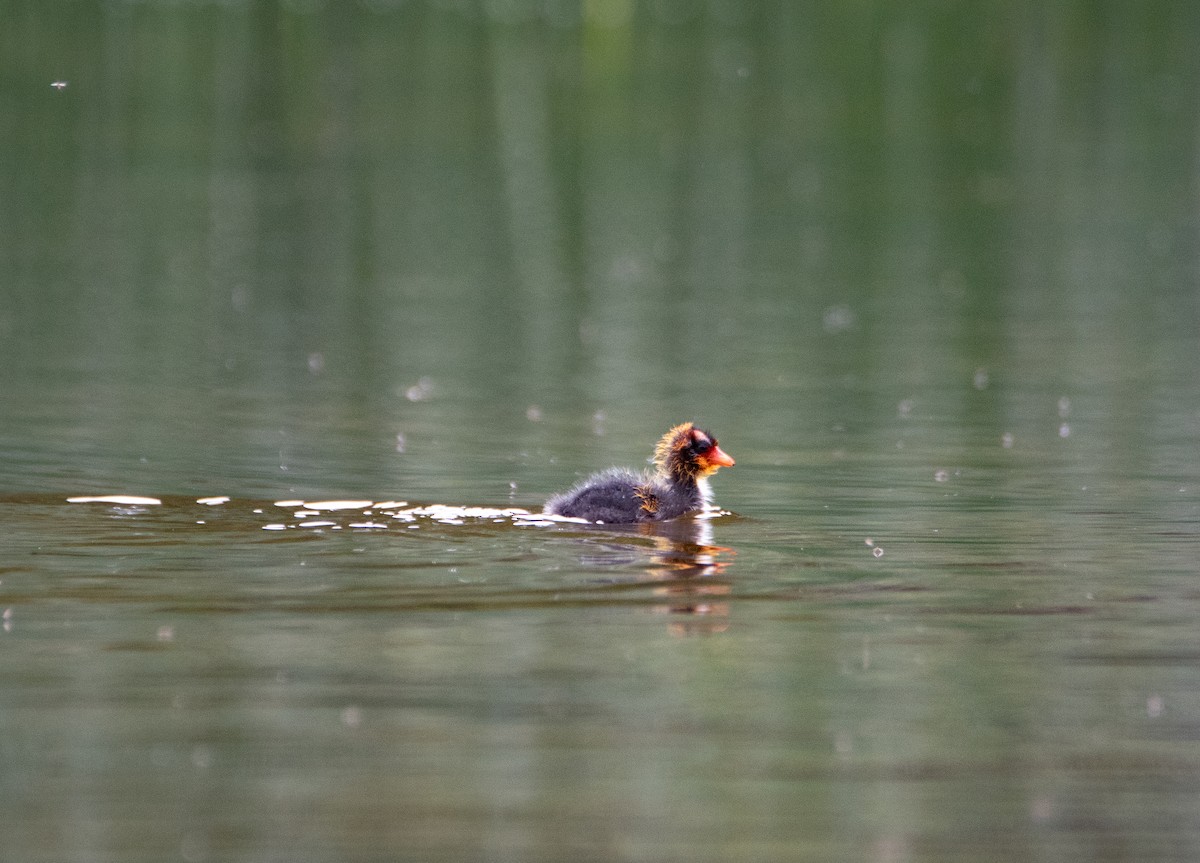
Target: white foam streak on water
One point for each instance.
(436, 512)
(123, 499)
(308, 512)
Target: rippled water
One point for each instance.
(956, 666)
(306, 308)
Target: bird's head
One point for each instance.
(688, 453)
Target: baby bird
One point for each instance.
(684, 458)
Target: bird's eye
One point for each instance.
(702, 446)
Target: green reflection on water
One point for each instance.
(927, 271)
(238, 226)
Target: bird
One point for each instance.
(684, 458)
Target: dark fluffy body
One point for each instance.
(620, 496)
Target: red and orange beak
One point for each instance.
(717, 457)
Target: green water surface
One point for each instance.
(927, 270)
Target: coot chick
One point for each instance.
(684, 457)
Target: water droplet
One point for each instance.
(837, 319)
(1042, 809)
(202, 757)
(941, 475)
(419, 391)
(877, 551)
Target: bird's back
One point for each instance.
(610, 497)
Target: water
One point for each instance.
(929, 275)
(998, 680)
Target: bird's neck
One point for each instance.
(681, 478)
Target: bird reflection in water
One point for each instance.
(688, 566)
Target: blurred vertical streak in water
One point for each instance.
(533, 211)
